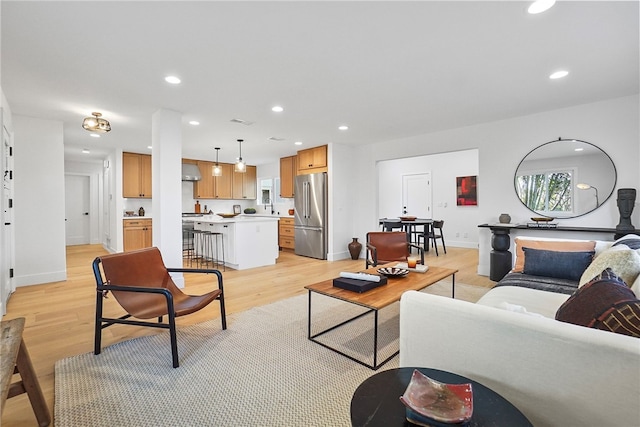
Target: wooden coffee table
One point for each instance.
(375, 300)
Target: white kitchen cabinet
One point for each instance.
(248, 242)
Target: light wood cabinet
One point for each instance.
(288, 172)
(214, 187)
(244, 184)
(136, 175)
(137, 234)
(312, 160)
(286, 236)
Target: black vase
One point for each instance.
(354, 248)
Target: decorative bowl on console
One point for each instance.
(542, 219)
(227, 215)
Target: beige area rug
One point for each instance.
(261, 371)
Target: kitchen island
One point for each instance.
(248, 241)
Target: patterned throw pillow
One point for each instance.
(606, 303)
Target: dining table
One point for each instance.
(410, 226)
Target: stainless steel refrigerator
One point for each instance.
(310, 224)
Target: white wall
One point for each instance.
(460, 227)
(39, 201)
(612, 125)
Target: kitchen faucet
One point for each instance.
(268, 202)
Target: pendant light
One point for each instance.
(216, 170)
(240, 165)
(96, 123)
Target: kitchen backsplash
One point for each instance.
(216, 206)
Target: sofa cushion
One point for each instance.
(606, 303)
(561, 265)
(548, 245)
(533, 300)
(622, 260)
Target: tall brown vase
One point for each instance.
(354, 248)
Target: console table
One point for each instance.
(500, 258)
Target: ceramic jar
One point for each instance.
(504, 218)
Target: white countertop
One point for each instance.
(235, 219)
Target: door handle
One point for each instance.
(86, 213)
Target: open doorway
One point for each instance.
(77, 210)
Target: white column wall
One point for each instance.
(166, 137)
(39, 201)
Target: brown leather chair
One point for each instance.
(389, 246)
(141, 284)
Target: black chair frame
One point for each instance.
(103, 288)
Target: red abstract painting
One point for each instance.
(467, 194)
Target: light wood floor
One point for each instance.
(59, 316)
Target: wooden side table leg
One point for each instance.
(31, 385)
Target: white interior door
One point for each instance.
(416, 195)
(77, 222)
(7, 248)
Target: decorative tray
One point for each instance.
(227, 215)
(428, 400)
(393, 271)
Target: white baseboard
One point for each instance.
(38, 279)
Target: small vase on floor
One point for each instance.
(354, 248)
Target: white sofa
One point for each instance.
(557, 374)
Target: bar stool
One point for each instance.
(188, 248)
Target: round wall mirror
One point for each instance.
(565, 178)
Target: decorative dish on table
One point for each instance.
(419, 268)
(542, 219)
(428, 400)
(393, 271)
(408, 218)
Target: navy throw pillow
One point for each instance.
(560, 265)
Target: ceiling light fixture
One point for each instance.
(343, 127)
(540, 6)
(194, 122)
(277, 109)
(240, 165)
(298, 143)
(216, 170)
(85, 151)
(95, 135)
(172, 79)
(96, 123)
(559, 74)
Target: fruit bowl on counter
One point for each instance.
(227, 215)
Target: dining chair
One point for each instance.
(141, 284)
(435, 234)
(389, 246)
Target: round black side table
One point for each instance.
(376, 402)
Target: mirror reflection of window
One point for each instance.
(547, 192)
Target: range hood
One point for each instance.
(190, 172)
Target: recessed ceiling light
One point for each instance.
(277, 109)
(540, 6)
(298, 143)
(85, 151)
(559, 74)
(578, 149)
(149, 147)
(194, 122)
(343, 127)
(172, 79)
(95, 135)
